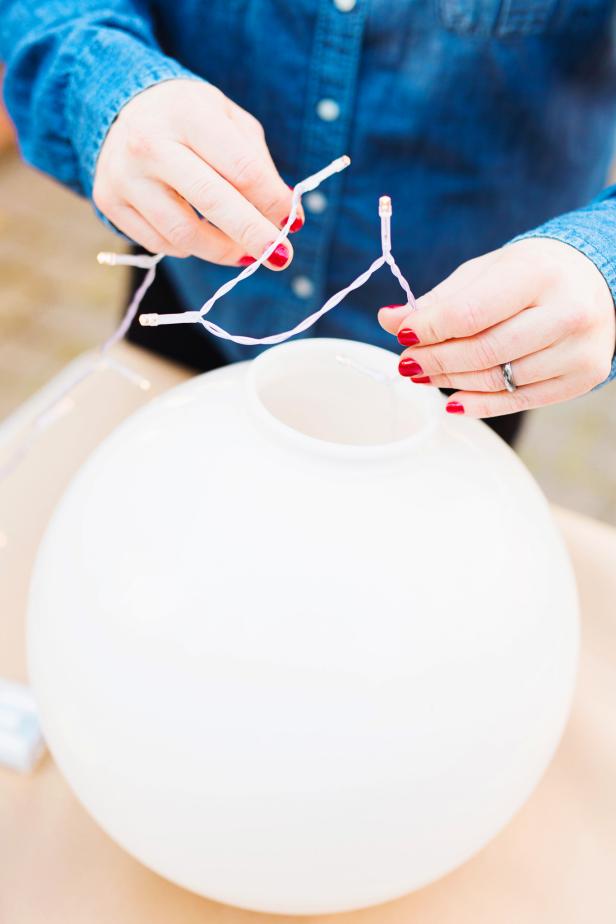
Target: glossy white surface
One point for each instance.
(302, 673)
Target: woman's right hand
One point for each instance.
(182, 145)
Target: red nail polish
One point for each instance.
(390, 307)
(409, 367)
(421, 379)
(297, 225)
(280, 257)
(246, 261)
(407, 337)
(454, 407)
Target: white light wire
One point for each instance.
(310, 183)
(149, 262)
(55, 407)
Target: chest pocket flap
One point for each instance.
(503, 18)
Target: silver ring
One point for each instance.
(510, 385)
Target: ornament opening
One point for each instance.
(342, 394)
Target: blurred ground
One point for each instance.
(55, 302)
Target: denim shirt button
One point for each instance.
(302, 286)
(345, 6)
(315, 202)
(328, 110)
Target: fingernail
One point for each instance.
(280, 256)
(297, 225)
(454, 407)
(407, 337)
(409, 367)
(421, 379)
(390, 307)
(246, 261)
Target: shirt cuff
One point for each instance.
(112, 67)
(592, 231)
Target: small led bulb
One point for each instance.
(385, 208)
(106, 259)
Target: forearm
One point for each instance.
(71, 66)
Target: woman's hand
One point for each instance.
(539, 304)
(182, 145)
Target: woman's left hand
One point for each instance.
(538, 304)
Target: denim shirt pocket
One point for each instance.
(511, 18)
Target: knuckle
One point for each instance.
(594, 370)
(139, 145)
(210, 93)
(202, 193)
(494, 379)
(520, 400)
(254, 124)
(577, 318)
(431, 332)
(151, 242)
(485, 353)
(228, 254)
(251, 236)
(575, 389)
(274, 205)
(433, 316)
(588, 364)
(182, 236)
(433, 361)
(468, 318)
(247, 171)
(442, 380)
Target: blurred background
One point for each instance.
(56, 302)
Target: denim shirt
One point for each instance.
(483, 119)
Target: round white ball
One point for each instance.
(301, 642)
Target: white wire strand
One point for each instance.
(303, 325)
(150, 262)
(196, 317)
(386, 258)
(52, 411)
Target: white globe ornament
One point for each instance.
(301, 642)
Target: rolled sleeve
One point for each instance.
(592, 231)
(70, 68)
(111, 69)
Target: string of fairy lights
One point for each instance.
(102, 358)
